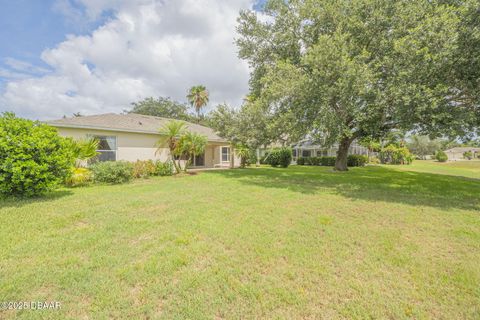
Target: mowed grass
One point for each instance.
(379, 242)
(470, 169)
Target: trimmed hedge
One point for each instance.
(279, 157)
(356, 160)
(327, 161)
(353, 160)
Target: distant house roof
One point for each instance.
(129, 122)
(463, 149)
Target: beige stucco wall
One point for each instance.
(217, 156)
(454, 155)
(130, 146)
(142, 146)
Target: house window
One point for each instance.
(107, 148)
(294, 153)
(225, 154)
(306, 153)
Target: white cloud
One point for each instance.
(149, 48)
(23, 66)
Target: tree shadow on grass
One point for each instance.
(372, 183)
(18, 202)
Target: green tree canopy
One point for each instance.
(345, 70)
(162, 107)
(248, 126)
(423, 146)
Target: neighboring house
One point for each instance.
(134, 137)
(457, 153)
(307, 149)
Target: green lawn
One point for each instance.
(469, 169)
(377, 242)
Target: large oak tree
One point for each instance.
(342, 70)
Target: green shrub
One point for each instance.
(112, 172)
(352, 161)
(34, 159)
(279, 157)
(374, 160)
(315, 161)
(356, 160)
(245, 155)
(263, 159)
(392, 154)
(79, 177)
(252, 158)
(441, 156)
(468, 155)
(164, 168)
(143, 169)
(327, 161)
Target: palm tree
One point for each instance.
(171, 133)
(84, 150)
(244, 153)
(192, 144)
(198, 98)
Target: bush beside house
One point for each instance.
(112, 172)
(468, 155)
(34, 158)
(356, 160)
(441, 156)
(115, 172)
(392, 154)
(164, 168)
(143, 169)
(279, 157)
(353, 160)
(80, 177)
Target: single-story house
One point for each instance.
(457, 153)
(307, 149)
(133, 137)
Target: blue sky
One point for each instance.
(91, 56)
(27, 27)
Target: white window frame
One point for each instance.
(96, 136)
(228, 154)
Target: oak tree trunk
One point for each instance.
(342, 154)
